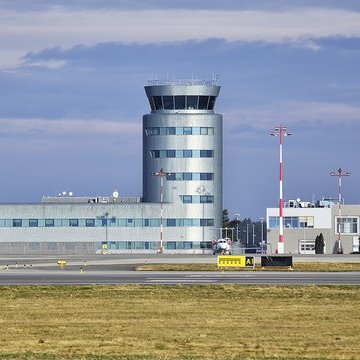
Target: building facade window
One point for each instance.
(182, 102)
(347, 225)
(197, 199)
(17, 223)
(33, 222)
(73, 222)
(187, 130)
(90, 222)
(182, 153)
(49, 222)
(292, 222)
(113, 222)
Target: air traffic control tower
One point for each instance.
(183, 136)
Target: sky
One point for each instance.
(72, 77)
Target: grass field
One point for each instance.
(180, 322)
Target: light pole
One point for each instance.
(105, 217)
(339, 173)
(281, 131)
(202, 191)
(253, 241)
(161, 174)
(247, 234)
(262, 234)
(237, 217)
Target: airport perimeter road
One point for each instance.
(23, 276)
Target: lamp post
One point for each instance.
(105, 219)
(202, 191)
(161, 174)
(281, 131)
(237, 218)
(253, 240)
(247, 234)
(339, 173)
(262, 234)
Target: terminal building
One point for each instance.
(181, 207)
(304, 221)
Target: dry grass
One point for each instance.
(179, 322)
(213, 267)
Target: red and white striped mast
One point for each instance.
(281, 131)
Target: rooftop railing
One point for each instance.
(183, 82)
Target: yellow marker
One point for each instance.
(62, 263)
(235, 261)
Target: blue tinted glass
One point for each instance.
(49, 222)
(90, 222)
(187, 131)
(196, 131)
(273, 222)
(170, 153)
(204, 131)
(33, 222)
(170, 222)
(187, 222)
(17, 223)
(170, 245)
(210, 222)
(187, 153)
(187, 199)
(73, 222)
(187, 176)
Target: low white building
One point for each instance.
(304, 221)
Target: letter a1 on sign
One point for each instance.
(250, 261)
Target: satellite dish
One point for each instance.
(64, 193)
(115, 194)
(298, 200)
(70, 193)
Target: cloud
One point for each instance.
(35, 30)
(297, 114)
(68, 127)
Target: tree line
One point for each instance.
(248, 232)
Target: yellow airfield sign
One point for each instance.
(235, 261)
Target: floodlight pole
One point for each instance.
(339, 173)
(161, 174)
(281, 131)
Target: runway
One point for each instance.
(116, 270)
(102, 277)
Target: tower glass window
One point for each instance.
(203, 102)
(179, 102)
(192, 102)
(212, 102)
(168, 102)
(158, 102)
